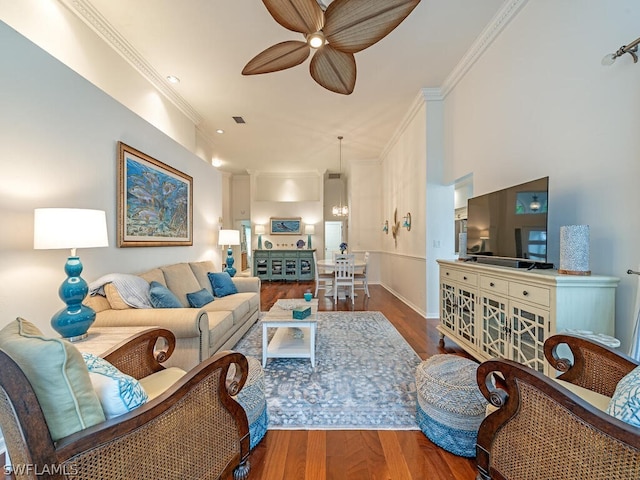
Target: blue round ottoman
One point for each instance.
(252, 399)
(450, 406)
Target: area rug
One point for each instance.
(363, 378)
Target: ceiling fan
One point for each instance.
(336, 32)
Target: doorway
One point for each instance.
(332, 238)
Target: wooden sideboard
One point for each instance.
(288, 265)
(507, 312)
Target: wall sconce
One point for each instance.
(631, 49)
(385, 227)
(407, 222)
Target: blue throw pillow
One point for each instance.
(625, 403)
(200, 298)
(118, 393)
(162, 297)
(222, 284)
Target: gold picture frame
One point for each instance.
(155, 202)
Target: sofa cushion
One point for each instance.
(154, 275)
(222, 284)
(181, 280)
(625, 403)
(200, 298)
(239, 305)
(162, 297)
(200, 270)
(118, 393)
(220, 328)
(58, 375)
(115, 300)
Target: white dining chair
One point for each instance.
(361, 279)
(324, 280)
(344, 275)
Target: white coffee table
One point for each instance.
(293, 338)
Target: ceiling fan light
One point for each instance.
(316, 40)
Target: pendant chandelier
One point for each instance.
(340, 210)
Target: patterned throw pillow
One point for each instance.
(625, 403)
(200, 298)
(162, 297)
(222, 284)
(118, 393)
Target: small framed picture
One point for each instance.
(286, 226)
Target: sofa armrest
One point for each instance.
(594, 366)
(247, 284)
(182, 322)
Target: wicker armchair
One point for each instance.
(542, 430)
(193, 430)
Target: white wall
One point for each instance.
(287, 196)
(537, 103)
(404, 174)
(58, 140)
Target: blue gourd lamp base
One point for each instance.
(230, 269)
(73, 321)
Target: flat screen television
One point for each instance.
(509, 227)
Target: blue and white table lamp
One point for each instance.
(229, 238)
(57, 228)
(309, 230)
(260, 231)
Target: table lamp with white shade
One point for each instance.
(72, 228)
(309, 230)
(260, 231)
(229, 238)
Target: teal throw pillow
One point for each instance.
(118, 393)
(162, 297)
(58, 375)
(625, 403)
(200, 298)
(222, 284)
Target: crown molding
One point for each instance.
(502, 18)
(86, 12)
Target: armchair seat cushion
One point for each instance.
(158, 383)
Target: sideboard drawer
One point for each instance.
(460, 277)
(493, 284)
(529, 293)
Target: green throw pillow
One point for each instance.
(58, 375)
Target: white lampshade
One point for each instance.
(55, 228)
(310, 229)
(229, 237)
(260, 230)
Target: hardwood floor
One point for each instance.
(359, 454)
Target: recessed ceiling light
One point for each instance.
(173, 79)
(220, 131)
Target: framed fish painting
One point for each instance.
(155, 202)
(285, 226)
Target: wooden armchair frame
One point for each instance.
(193, 430)
(542, 430)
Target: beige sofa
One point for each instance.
(200, 332)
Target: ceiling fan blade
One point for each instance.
(304, 16)
(334, 70)
(278, 57)
(353, 25)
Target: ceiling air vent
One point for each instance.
(334, 175)
(239, 120)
